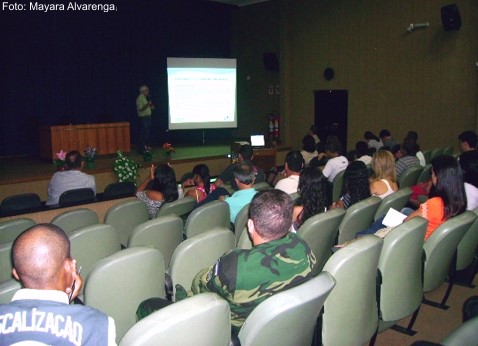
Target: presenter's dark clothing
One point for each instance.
(46, 317)
(227, 176)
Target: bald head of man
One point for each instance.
(41, 259)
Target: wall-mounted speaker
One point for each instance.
(450, 18)
(271, 61)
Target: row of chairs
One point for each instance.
(432, 153)
(31, 202)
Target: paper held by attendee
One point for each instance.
(393, 218)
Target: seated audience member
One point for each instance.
(384, 180)
(158, 189)
(413, 137)
(361, 152)
(336, 162)
(202, 179)
(294, 163)
(396, 152)
(447, 197)
(40, 313)
(409, 159)
(321, 159)
(71, 179)
(469, 166)
(387, 139)
(244, 176)
(372, 140)
(468, 141)
(313, 196)
(245, 155)
(313, 132)
(355, 186)
(309, 149)
(187, 183)
(278, 260)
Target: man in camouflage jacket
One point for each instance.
(278, 260)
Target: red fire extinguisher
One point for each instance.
(271, 126)
(276, 126)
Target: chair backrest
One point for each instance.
(179, 207)
(350, 312)
(8, 289)
(118, 283)
(466, 334)
(358, 217)
(409, 176)
(119, 190)
(164, 233)
(426, 174)
(125, 216)
(396, 200)
(448, 150)
(436, 152)
(320, 232)
(91, 244)
(467, 247)
(244, 241)
(288, 317)
(294, 196)
(6, 261)
(427, 154)
(72, 220)
(17, 204)
(76, 196)
(199, 252)
(262, 186)
(206, 217)
(337, 185)
(200, 320)
(11, 229)
(241, 220)
(441, 246)
(400, 264)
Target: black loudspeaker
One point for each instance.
(450, 18)
(271, 62)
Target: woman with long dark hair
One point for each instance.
(158, 189)
(355, 187)
(313, 196)
(447, 196)
(202, 178)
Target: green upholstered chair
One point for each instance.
(198, 252)
(466, 260)
(400, 266)
(76, 197)
(179, 207)
(200, 320)
(206, 217)
(466, 334)
(396, 200)
(72, 220)
(288, 317)
(8, 289)
(116, 190)
(425, 175)
(91, 244)
(440, 250)
(337, 185)
(11, 229)
(350, 312)
(244, 241)
(20, 204)
(241, 220)
(118, 283)
(448, 150)
(6, 261)
(164, 233)
(320, 232)
(357, 218)
(262, 186)
(427, 154)
(295, 197)
(125, 216)
(409, 176)
(436, 152)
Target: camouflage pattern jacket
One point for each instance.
(245, 278)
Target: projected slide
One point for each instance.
(201, 93)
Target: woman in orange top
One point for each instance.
(447, 196)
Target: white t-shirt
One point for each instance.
(334, 166)
(471, 196)
(288, 185)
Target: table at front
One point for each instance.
(106, 138)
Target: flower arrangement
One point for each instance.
(90, 154)
(168, 149)
(60, 160)
(125, 168)
(147, 153)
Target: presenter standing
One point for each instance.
(144, 106)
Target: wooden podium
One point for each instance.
(106, 138)
(264, 158)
